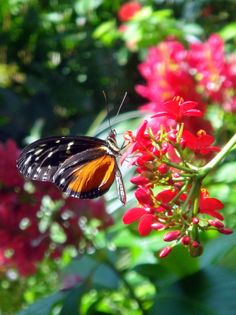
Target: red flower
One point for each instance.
(128, 10)
(177, 109)
(9, 176)
(145, 218)
(210, 206)
(200, 143)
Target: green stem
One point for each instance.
(203, 171)
(196, 197)
(177, 166)
(179, 193)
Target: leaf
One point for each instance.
(83, 267)
(72, 301)
(229, 31)
(43, 306)
(105, 278)
(211, 291)
(226, 173)
(216, 250)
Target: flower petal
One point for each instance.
(133, 215)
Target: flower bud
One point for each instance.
(139, 180)
(217, 224)
(163, 169)
(164, 148)
(158, 226)
(182, 143)
(195, 251)
(226, 231)
(155, 151)
(165, 251)
(172, 135)
(195, 244)
(171, 236)
(185, 240)
(195, 220)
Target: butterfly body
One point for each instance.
(82, 167)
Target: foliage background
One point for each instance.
(56, 58)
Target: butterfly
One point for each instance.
(81, 166)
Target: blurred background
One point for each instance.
(71, 257)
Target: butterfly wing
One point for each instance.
(88, 174)
(41, 159)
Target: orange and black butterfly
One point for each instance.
(82, 167)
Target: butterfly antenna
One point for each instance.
(108, 112)
(121, 104)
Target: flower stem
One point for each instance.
(203, 171)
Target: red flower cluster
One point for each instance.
(164, 152)
(128, 10)
(22, 242)
(199, 73)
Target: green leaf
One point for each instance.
(229, 31)
(83, 267)
(211, 291)
(72, 301)
(106, 32)
(43, 306)
(105, 278)
(226, 173)
(217, 249)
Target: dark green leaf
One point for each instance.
(43, 306)
(71, 302)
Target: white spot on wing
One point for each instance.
(29, 170)
(38, 151)
(28, 159)
(50, 154)
(62, 181)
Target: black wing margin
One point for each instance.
(41, 159)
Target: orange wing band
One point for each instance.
(96, 174)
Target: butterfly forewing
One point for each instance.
(41, 159)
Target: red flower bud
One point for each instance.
(226, 231)
(163, 169)
(165, 252)
(185, 240)
(182, 143)
(164, 148)
(158, 226)
(216, 223)
(171, 236)
(195, 220)
(155, 151)
(195, 244)
(139, 180)
(172, 135)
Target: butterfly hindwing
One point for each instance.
(41, 159)
(88, 174)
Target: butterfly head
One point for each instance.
(112, 143)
